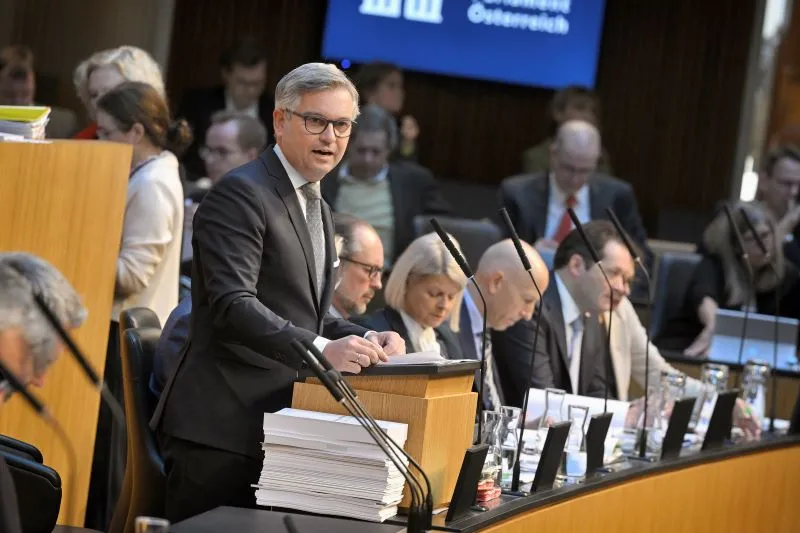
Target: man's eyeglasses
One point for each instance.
(216, 151)
(317, 124)
(371, 270)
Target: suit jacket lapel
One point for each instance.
(620, 364)
(537, 201)
(597, 201)
(330, 258)
(288, 196)
(592, 354)
(553, 303)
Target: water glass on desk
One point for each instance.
(754, 387)
(149, 524)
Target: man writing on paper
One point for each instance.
(572, 352)
(28, 344)
(262, 276)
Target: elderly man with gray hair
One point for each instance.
(262, 277)
(28, 344)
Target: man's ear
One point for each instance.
(279, 117)
(136, 133)
(496, 281)
(576, 265)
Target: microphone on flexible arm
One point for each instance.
(526, 264)
(763, 248)
(352, 396)
(462, 263)
(637, 259)
(415, 517)
(9, 381)
(743, 255)
(607, 364)
(83, 362)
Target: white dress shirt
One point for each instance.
(571, 313)
(251, 111)
(423, 339)
(557, 206)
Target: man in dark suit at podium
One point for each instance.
(262, 276)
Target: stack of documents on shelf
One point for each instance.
(26, 121)
(328, 464)
(420, 358)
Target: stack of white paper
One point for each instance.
(328, 464)
(25, 121)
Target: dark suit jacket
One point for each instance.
(170, 344)
(197, 106)
(526, 197)
(466, 339)
(388, 319)
(253, 291)
(513, 349)
(414, 192)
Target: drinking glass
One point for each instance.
(149, 524)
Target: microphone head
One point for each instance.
(579, 228)
(448, 243)
(512, 231)
(622, 234)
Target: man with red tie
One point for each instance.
(537, 203)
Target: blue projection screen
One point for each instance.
(545, 43)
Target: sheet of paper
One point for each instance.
(420, 358)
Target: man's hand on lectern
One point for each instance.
(352, 353)
(391, 342)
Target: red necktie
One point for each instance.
(565, 226)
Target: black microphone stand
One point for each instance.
(745, 258)
(637, 259)
(526, 264)
(352, 396)
(774, 375)
(462, 263)
(414, 517)
(579, 227)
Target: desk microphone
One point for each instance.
(462, 263)
(637, 259)
(743, 255)
(10, 382)
(415, 518)
(607, 364)
(526, 264)
(352, 396)
(83, 362)
(763, 248)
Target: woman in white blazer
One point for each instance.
(149, 258)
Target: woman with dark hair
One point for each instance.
(721, 280)
(381, 84)
(148, 264)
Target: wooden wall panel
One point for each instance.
(671, 76)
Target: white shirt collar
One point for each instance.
(334, 312)
(344, 175)
(475, 316)
(295, 177)
(251, 111)
(560, 198)
(569, 308)
(423, 338)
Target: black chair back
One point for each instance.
(138, 317)
(145, 466)
(20, 448)
(675, 271)
(38, 490)
(474, 236)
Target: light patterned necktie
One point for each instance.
(492, 399)
(314, 223)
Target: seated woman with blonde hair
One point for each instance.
(721, 280)
(423, 296)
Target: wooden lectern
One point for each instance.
(64, 201)
(436, 402)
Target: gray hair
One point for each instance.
(374, 118)
(133, 63)
(22, 275)
(311, 78)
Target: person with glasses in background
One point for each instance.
(386, 193)
(358, 277)
(262, 278)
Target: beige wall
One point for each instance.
(64, 32)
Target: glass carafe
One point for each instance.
(492, 428)
(715, 380)
(754, 387)
(509, 439)
(553, 414)
(574, 464)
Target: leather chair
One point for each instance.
(474, 236)
(38, 490)
(20, 448)
(145, 466)
(136, 317)
(675, 271)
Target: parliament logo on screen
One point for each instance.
(413, 10)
